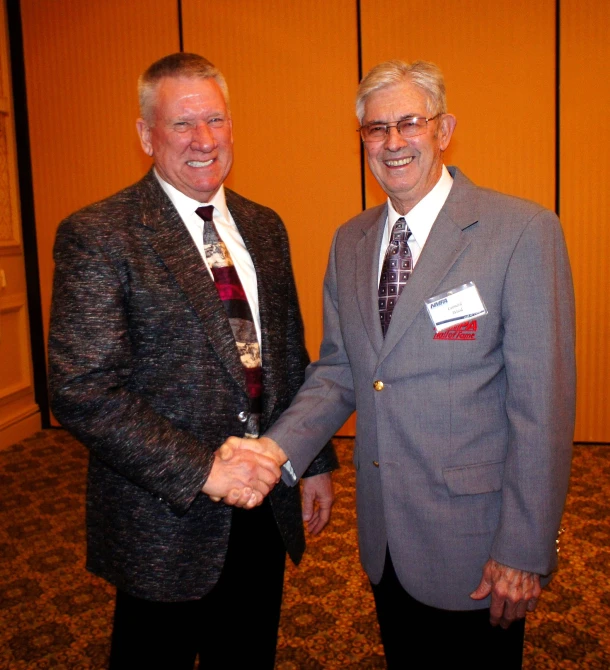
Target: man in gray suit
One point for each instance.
(449, 327)
(175, 323)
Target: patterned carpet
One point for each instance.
(53, 614)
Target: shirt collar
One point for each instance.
(186, 206)
(421, 218)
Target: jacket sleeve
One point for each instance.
(538, 349)
(326, 399)
(297, 360)
(91, 359)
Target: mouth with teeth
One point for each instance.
(399, 162)
(200, 164)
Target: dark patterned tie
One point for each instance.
(238, 311)
(395, 271)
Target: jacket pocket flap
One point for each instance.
(471, 479)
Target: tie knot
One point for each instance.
(400, 230)
(206, 212)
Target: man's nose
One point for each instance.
(202, 137)
(394, 140)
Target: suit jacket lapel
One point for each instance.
(444, 246)
(265, 253)
(367, 267)
(174, 245)
(253, 229)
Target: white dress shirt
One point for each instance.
(420, 219)
(228, 233)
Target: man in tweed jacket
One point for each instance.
(145, 372)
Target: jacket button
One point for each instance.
(376, 464)
(378, 385)
(243, 416)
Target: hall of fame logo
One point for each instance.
(463, 331)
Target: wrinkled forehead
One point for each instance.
(172, 93)
(396, 101)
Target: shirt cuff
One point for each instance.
(289, 476)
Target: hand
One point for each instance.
(242, 477)
(513, 592)
(263, 445)
(318, 500)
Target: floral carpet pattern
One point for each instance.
(55, 615)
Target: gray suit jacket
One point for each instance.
(145, 372)
(465, 453)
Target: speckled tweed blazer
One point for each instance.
(145, 372)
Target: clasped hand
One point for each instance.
(244, 471)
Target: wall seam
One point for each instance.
(360, 74)
(557, 106)
(180, 31)
(26, 204)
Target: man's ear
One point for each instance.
(144, 134)
(446, 128)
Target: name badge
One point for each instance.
(455, 306)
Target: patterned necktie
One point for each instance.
(395, 271)
(238, 311)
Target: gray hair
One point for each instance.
(423, 74)
(175, 65)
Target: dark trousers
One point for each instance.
(233, 626)
(461, 639)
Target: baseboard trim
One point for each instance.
(20, 427)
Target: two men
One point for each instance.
(464, 433)
(175, 323)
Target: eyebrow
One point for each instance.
(188, 116)
(402, 118)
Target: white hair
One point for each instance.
(426, 76)
(175, 65)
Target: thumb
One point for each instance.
(226, 452)
(308, 500)
(483, 589)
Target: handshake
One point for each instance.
(244, 471)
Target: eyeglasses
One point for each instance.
(411, 126)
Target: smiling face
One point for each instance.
(190, 138)
(406, 169)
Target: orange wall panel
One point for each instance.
(585, 202)
(82, 62)
(498, 61)
(292, 70)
